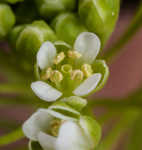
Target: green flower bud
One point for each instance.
(100, 16)
(7, 20)
(12, 1)
(67, 27)
(32, 37)
(14, 34)
(49, 8)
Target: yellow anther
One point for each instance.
(56, 76)
(47, 74)
(66, 68)
(74, 54)
(55, 125)
(77, 75)
(59, 58)
(87, 70)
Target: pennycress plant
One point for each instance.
(64, 46)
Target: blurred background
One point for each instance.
(125, 78)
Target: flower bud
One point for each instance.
(7, 20)
(99, 16)
(14, 34)
(50, 8)
(32, 37)
(11, 1)
(67, 27)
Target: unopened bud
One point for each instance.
(87, 70)
(59, 58)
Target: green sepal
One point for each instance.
(92, 130)
(100, 66)
(64, 109)
(75, 102)
(50, 8)
(62, 46)
(34, 146)
(33, 36)
(100, 16)
(7, 20)
(67, 27)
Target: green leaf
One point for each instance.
(11, 137)
(34, 146)
(7, 20)
(67, 27)
(100, 66)
(100, 16)
(136, 135)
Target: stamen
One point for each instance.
(87, 70)
(56, 76)
(77, 75)
(59, 58)
(74, 54)
(48, 74)
(67, 69)
(55, 127)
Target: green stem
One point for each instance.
(132, 29)
(11, 137)
(126, 122)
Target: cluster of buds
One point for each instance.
(66, 66)
(65, 75)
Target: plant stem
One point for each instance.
(11, 137)
(132, 29)
(127, 120)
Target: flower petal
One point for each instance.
(88, 85)
(39, 121)
(46, 141)
(46, 55)
(71, 137)
(88, 44)
(45, 91)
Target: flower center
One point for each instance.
(66, 72)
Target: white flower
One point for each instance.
(85, 50)
(55, 131)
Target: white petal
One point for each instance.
(45, 91)
(46, 141)
(71, 137)
(39, 121)
(88, 44)
(88, 85)
(46, 55)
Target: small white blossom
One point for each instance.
(87, 46)
(80, 133)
